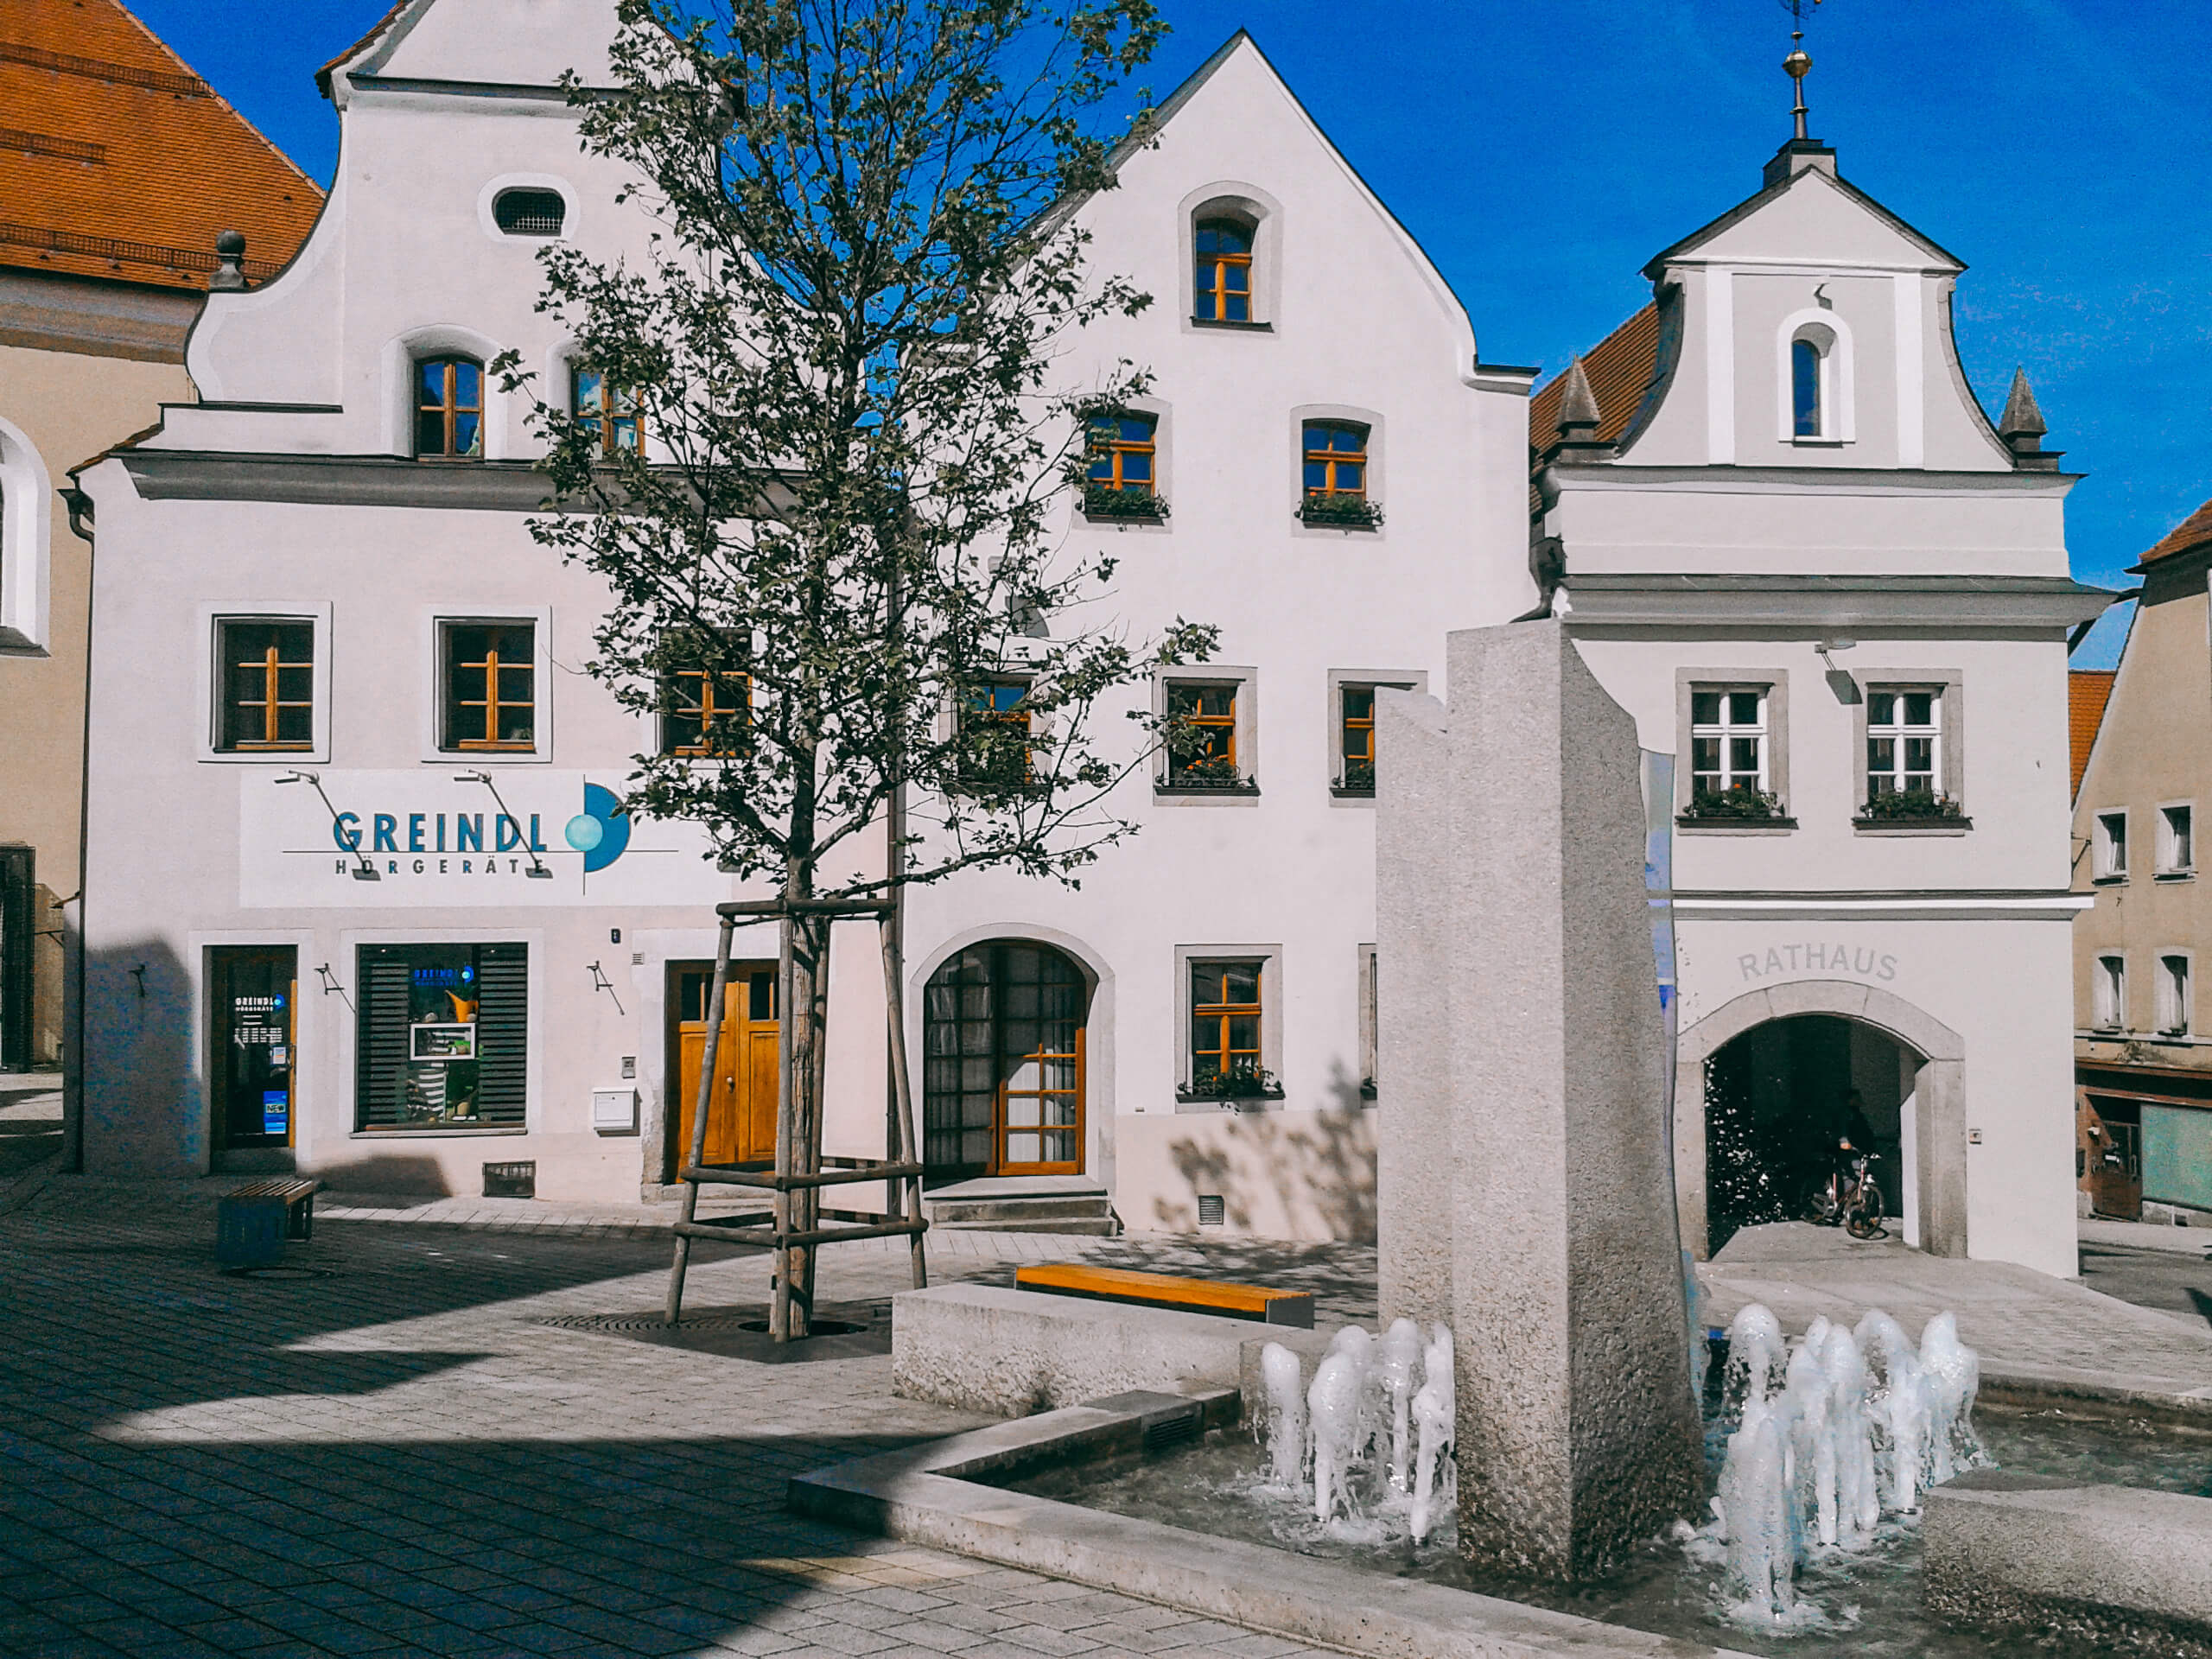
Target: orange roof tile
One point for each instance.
(2088, 690)
(2193, 531)
(1620, 368)
(117, 161)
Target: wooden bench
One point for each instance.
(252, 1221)
(1167, 1290)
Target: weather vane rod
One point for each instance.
(1799, 61)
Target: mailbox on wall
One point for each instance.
(615, 1112)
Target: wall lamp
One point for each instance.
(538, 872)
(365, 871)
(1839, 680)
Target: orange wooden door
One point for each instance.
(742, 1106)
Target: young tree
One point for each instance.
(819, 444)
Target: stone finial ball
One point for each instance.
(230, 245)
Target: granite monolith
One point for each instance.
(1524, 1186)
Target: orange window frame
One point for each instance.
(494, 666)
(1188, 704)
(449, 408)
(1358, 729)
(1223, 1053)
(1117, 447)
(610, 412)
(704, 708)
(1329, 459)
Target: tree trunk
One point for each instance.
(804, 990)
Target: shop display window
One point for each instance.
(442, 1033)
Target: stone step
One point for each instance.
(1088, 1227)
(1051, 1205)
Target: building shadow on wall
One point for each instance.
(1317, 1167)
(144, 1110)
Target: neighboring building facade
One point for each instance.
(1796, 550)
(119, 167)
(2142, 1057)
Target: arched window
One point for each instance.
(1806, 363)
(449, 408)
(610, 412)
(1223, 277)
(528, 213)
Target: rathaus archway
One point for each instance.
(1779, 1065)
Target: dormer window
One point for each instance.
(448, 409)
(528, 213)
(1805, 387)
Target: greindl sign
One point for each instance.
(436, 839)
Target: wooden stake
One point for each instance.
(715, 999)
(903, 1090)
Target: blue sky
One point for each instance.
(1542, 153)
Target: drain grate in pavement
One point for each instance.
(743, 1332)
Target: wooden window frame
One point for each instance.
(1215, 267)
(272, 702)
(1016, 715)
(1330, 458)
(607, 425)
(1221, 1014)
(1221, 769)
(1109, 445)
(450, 409)
(450, 717)
(1898, 732)
(707, 712)
(1726, 730)
(1349, 779)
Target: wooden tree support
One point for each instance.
(802, 1168)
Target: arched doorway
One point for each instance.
(1777, 1099)
(1002, 1063)
(1931, 1160)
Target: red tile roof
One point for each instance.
(117, 161)
(2087, 690)
(2193, 531)
(1620, 369)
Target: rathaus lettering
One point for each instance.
(1812, 958)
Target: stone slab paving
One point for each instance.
(381, 1453)
(2016, 1318)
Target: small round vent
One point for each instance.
(530, 212)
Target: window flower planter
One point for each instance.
(1734, 806)
(1257, 1084)
(1340, 511)
(1911, 809)
(1210, 781)
(1358, 778)
(1123, 505)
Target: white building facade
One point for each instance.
(359, 904)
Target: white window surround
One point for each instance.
(210, 683)
(1236, 198)
(1269, 957)
(26, 543)
(1163, 480)
(1839, 418)
(2177, 848)
(442, 340)
(2108, 992)
(1247, 681)
(2109, 834)
(1951, 757)
(1774, 683)
(2177, 970)
(432, 681)
(491, 193)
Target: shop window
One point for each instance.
(994, 734)
(1226, 1056)
(266, 673)
(1728, 739)
(442, 1036)
(2110, 844)
(1905, 739)
(608, 411)
(2108, 993)
(450, 408)
(2173, 993)
(1223, 278)
(2176, 840)
(490, 702)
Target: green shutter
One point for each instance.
(2178, 1155)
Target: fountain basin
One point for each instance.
(2116, 1565)
(932, 1495)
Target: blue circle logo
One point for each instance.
(601, 831)
(467, 973)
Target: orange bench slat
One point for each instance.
(1128, 1284)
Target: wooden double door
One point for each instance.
(741, 1105)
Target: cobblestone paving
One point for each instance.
(381, 1453)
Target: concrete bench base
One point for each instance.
(2115, 1565)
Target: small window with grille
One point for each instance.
(528, 213)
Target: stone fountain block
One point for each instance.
(2117, 1566)
(1525, 1192)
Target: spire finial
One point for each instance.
(1799, 63)
(1578, 406)
(2021, 428)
